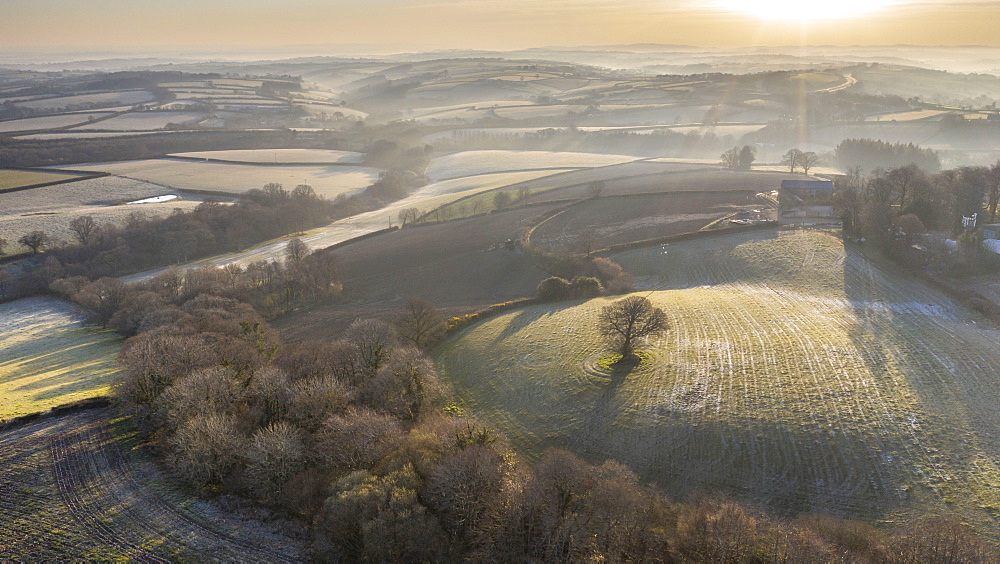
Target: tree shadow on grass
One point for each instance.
(524, 317)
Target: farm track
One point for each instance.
(68, 491)
(796, 372)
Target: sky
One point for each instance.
(145, 26)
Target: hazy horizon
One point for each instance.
(142, 27)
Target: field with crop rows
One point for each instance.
(73, 488)
(796, 372)
(49, 358)
(48, 122)
(468, 163)
(282, 156)
(328, 180)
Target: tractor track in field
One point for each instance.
(67, 490)
(796, 372)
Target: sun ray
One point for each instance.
(796, 10)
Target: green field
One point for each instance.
(796, 373)
(49, 358)
(21, 178)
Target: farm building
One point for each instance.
(806, 202)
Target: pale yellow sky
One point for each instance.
(481, 24)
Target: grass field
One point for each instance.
(282, 156)
(47, 122)
(49, 358)
(468, 163)
(796, 373)
(125, 97)
(614, 220)
(143, 121)
(328, 181)
(19, 178)
(75, 488)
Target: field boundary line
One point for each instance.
(83, 175)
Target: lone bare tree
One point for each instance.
(83, 228)
(731, 158)
(626, 321)
(808, 160)
(420, 323)
(35, 241)
(791, 159)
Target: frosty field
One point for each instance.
(49, 358)
(796, 373)
(328, 181)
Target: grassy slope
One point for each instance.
(48, 358)
(796, 373)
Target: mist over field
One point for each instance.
(478, 281)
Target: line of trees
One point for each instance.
(739, 158)
(894, 207)
(795, 158)
(870, 155)
(211, 228)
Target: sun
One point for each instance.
(804, 11)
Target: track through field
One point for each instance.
(68, 491)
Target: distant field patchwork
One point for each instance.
(328, 181)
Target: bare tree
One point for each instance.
(274, 454)
(626, 321)
(83, 228)
(295, 250)
(731, 158)
(992, 194)
(808, 160)
(408, 215)
(374, 341)
(791, 159)
(420, 323)
(748, 154)
(35, 240)
(501, 200)
(357, 439)
(206, 448)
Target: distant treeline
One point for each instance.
(16, 152)
(211, 228)
(659, 143)
(870, 154)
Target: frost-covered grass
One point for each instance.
(281, 156)
(144, 121)
(329, 181)
(470, 163)
(49, 358)
(123, 98)
(48, 122)
(795, 372)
